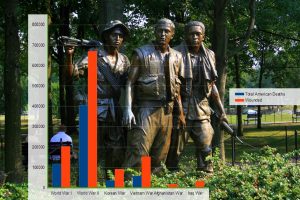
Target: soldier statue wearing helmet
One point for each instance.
(111, 136)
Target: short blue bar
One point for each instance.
(137, 181)
(239, 94)
(110, 183)
(83, 146)
(56, 175)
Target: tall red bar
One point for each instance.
(65, 166)
(92, 119)
(146, 171)
(119, 178)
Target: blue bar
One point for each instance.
(239, 94)
(137, 181)
(83, 146)
(110, 183)
(56, 175)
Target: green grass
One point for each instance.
(272, 135)
(266, 118)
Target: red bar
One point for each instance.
(146, 171)
(173, 185)
(65, 166)
(92, 119)
(239, 100)
(199, 184)
(119, 178)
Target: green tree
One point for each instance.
(220, 13)
(277, 32)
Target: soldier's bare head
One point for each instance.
(164, 31)
(194, 35)
(194, 23)
(165, 22)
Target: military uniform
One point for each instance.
(155, 89)
(111, 135)
(199, 77)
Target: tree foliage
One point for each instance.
(277, 177)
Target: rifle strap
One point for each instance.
(167, 77)
(104, 68)
(189, 98)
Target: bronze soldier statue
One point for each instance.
(152, 89)
(112, 74)
(198, 87)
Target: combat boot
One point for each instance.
(200, 162)
(208, 163)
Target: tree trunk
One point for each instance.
(12, 93)
(66, 89)
(219, 45)
(63, 30)
(261, 72)
(238, 85)
(166, 9)
(71, 126)
(112, 10)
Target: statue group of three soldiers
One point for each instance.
(167, 94)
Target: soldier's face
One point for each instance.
(163, 34)
(116, 37)
(195, 36)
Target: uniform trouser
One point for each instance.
(201, 132)
(111, 145)
(150, 136)
(178, 139)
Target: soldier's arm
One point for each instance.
(181, 116)
(69, 60)
(217, 100)
(73, 70)
(178, 97)
(129, 93)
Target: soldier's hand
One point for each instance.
(181, 122)
(223, 118)
(78, 72)
(128, 118)
(69, 50)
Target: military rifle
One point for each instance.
(225, 126)
(105, 69)
(70, 41)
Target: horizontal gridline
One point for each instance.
(123, 85)
(118, 106)
(123, 126)
(62, 24)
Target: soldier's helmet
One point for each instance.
(113, 24)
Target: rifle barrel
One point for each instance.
(69, 40)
